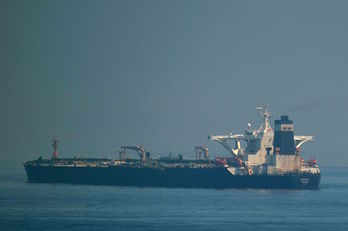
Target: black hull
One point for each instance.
(169, 177)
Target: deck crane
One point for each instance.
(139, 149)
(201, 149)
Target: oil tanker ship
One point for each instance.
(259, 158)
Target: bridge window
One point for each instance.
(253, 146)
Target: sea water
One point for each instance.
(25, 206)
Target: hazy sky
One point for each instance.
(166, 74)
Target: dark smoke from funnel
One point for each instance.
(322, 103)
(304, 107)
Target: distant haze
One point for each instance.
(166, 74)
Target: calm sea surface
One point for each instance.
(26, 206)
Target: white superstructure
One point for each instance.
(255, 147)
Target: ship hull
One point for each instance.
(168, 177)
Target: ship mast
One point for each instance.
(55, 148)
(263, 112)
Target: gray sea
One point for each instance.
(25, 206)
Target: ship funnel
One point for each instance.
(284, 142)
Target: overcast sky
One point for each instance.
(166, 74)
